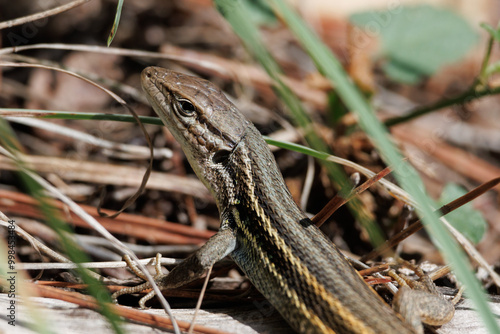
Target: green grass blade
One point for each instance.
(235, 13)
(406, 175)
(116, 22)
(95, 288)
(53, 114)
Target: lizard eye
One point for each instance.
(186, 108)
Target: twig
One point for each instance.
(41, 15)
(464, 242)
(94, 265)
(469, 95)
(126, 312)
(200, 299)
(338, 200)
(221, 66)
(95, 225)
(132, 151)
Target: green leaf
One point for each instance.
(466, 219)
(417, 41)
(401, 73)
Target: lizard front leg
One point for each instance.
(215, 249)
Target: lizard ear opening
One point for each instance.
(221, 156)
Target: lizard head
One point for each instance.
(200, 117)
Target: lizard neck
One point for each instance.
(254, 179)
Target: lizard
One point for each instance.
(285, 256)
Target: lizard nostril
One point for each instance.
(149, 72)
